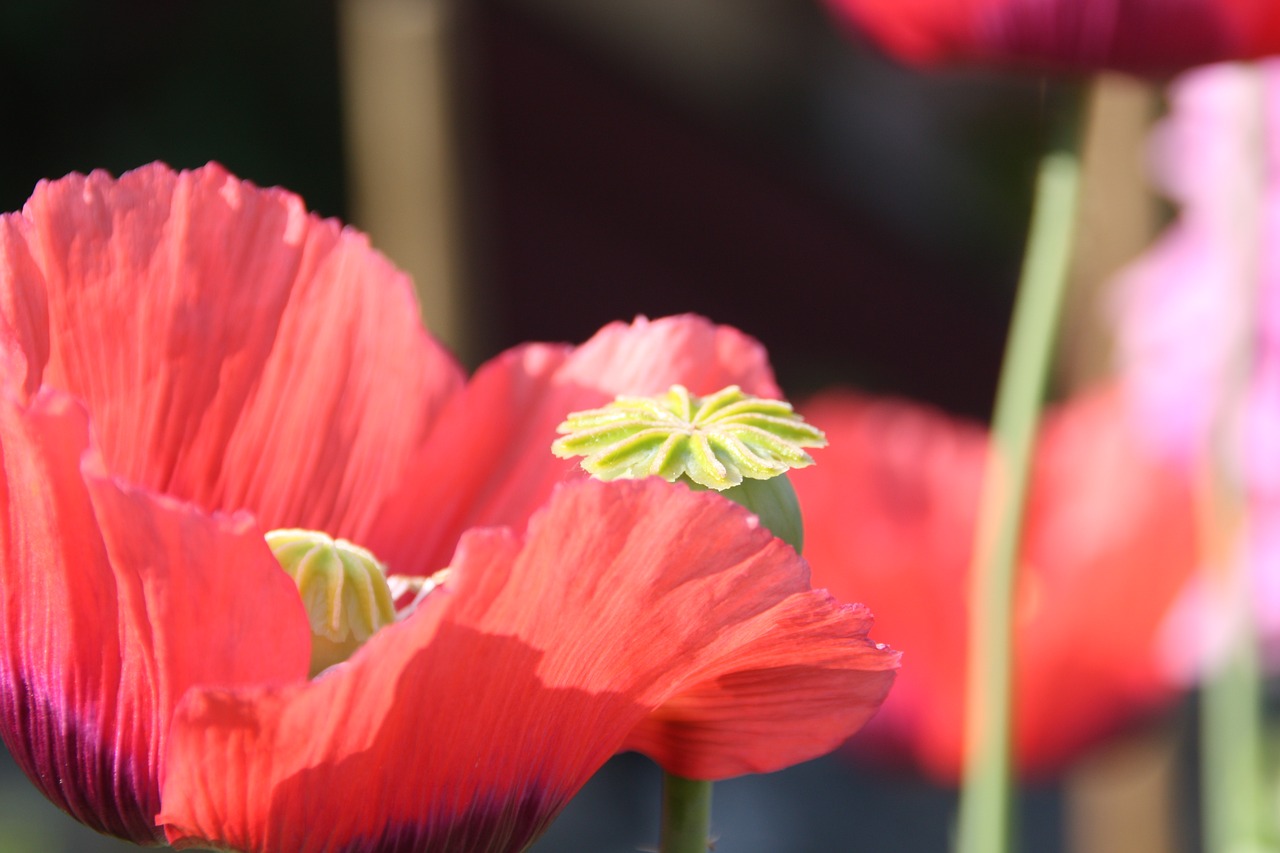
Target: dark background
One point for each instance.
(864, 221)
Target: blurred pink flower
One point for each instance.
(1199, 313)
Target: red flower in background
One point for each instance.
(187, 361)
(890, 510)
(1142, 36)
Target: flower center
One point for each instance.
(729, 441)
(343, 588)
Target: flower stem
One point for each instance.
(1232, 739)
(686, 814)
(984, 820)
(1232, 746)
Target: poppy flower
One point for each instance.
(1141, 36)
(188, 362)
(1213, 277)
(1108, 544)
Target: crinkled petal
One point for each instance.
(233, 350)
(489, 461)
(114, 602)
(765, 707)
(469, 725)
(24, 310)
(890, 510)
(1143, 36)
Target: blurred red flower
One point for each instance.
(890, 510)
(187, 361)
(1141, 36)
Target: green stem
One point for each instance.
(686, 814)
(1232, 738)
(984, 820)
(1232, 745)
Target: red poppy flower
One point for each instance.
(1108, 546)
(1142, 36)
(187, 361)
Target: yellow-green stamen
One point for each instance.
(343, 588)
(714, 441)
(737, 444)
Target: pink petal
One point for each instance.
(489, 460)
(1199, 313)
(232, 349)
(1207, 274)
(471, 724)
(114, 602)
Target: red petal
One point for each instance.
(1143, 36)
(114, 602)
(489, 461)
(784, 696)
(890, 512)
(233, 350)
(1113, 543)
(468, 726)
(24, 311)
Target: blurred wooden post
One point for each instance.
(398, 60)
(1117, 220)
(1119, 799)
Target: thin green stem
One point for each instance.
(1232, 723)
(985, 822)
(686, 814)
(1232, 744)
